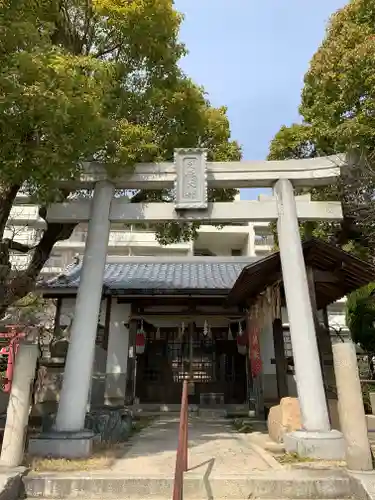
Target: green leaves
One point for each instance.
(96, 79)
(296, 141)
(360, 316)
(137, 33)
(338, 109)
(339, 92)
(51, 116)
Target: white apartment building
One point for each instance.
(25, 226)
(248, 239)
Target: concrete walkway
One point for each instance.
(213, 445)
(223, 465)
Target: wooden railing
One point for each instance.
(182, 448)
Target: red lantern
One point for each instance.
(241, 341)
(140, 342)
(241, 344)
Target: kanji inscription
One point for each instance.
(191, 179)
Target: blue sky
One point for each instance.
(251, 56)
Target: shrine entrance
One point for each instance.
(208, 357)
(191, 177)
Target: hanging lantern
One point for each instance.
(230, 336)
(181, 331)
(241, 341)
(205, 328)
(242, 349)
(182, 328)
(240, 331)
(140, 341)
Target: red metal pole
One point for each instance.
(181, 459)
(184, 410)
(12, 352)
(10, 366)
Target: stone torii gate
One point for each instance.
(191, 175)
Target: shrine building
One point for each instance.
(221, 322)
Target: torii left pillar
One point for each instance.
(69, 438)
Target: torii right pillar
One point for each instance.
(316, 439)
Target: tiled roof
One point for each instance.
(158, 275)
(348, 272)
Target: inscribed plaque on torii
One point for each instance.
(191, 179)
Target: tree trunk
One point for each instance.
(21, 283)
(16, 284)
(7, 196)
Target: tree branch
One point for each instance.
(17, 246)
(22, 283)
(104, 52)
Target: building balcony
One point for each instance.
(261, 225)
(264, 243)
(51, 271)
(233, 229)
(25, 215)
(54, 265)
(120, 239)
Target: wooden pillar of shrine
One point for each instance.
(280, 360)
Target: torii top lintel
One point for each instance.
(190, 175)
(234, 174)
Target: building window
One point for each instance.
(55, 260)
(79, 236)
(264, 239)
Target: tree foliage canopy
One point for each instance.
(337, 107)
(338, 98)
(338, 113)
(93, 79)
(360, 316)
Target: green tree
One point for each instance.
(298, 141)
(337, 107)
(360, 316)
(32, 310)
(92, 79)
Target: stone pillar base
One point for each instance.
(62, 444)
(115, 389)
(115, 403)
(319, 445)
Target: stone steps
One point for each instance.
(281, 485)
(175, 408)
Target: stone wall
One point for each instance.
(50, 380)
